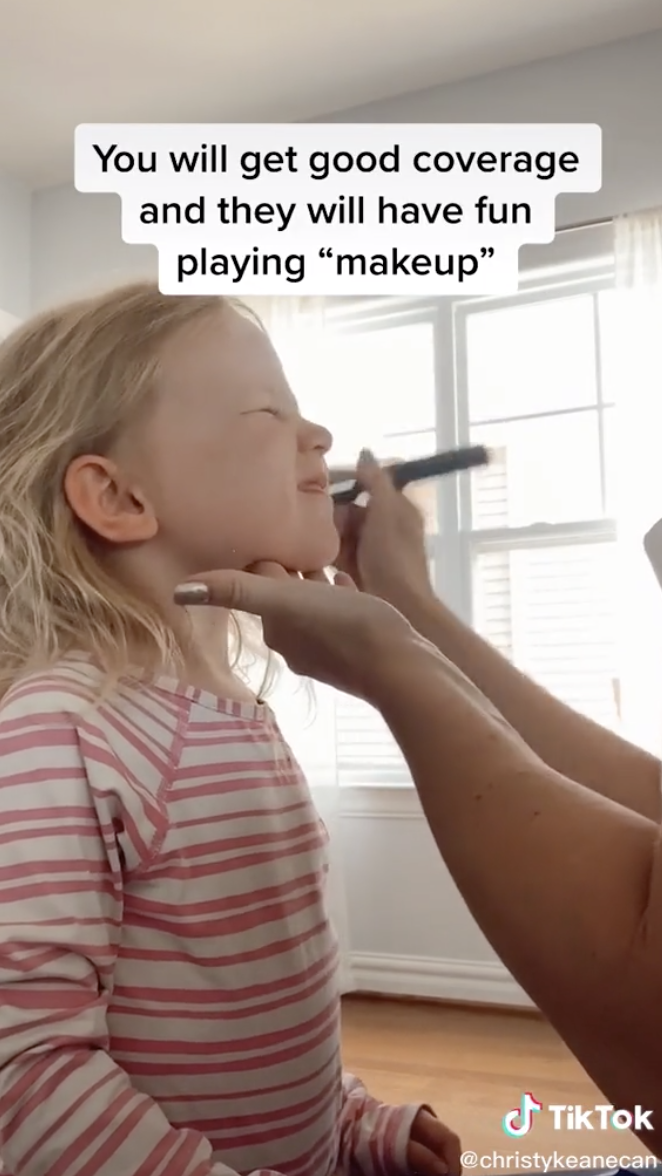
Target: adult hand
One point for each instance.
(382, 545)
(324, 630)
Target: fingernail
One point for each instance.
(366, 455)
(192, 594)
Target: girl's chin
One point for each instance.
(323, 556)
(314, 557)
(313, 548)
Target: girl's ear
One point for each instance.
(106, 502)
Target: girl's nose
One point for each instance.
(317, 437)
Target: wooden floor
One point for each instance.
(472, 1066)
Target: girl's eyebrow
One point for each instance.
(286, 396)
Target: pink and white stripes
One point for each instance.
(168, 988)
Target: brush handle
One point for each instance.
(418, 470)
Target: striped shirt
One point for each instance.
(169, 998)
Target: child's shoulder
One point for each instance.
(69, 687)
(64, 724)
(119, 722)
(74, 692)
(46, 712)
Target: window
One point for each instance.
(525, 549)
(541, 543)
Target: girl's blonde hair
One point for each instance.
(70, 380)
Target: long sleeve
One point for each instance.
(66, 1108)
(373, 1135)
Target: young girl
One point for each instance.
(168, 994)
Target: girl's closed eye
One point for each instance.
(267, 409)
(279, 414)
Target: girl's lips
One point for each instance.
(319, 486)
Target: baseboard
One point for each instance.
(464, 981)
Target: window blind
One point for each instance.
(551, 610)
(367, 753)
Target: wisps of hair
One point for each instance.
(69, 379)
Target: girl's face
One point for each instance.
(232, 471)
(221, 471)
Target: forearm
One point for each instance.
(564, 883)
(567, 741)
(71, 1110)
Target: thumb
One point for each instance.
(271, 594)
(373, 477)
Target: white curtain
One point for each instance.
(306, 711)
(637, 350)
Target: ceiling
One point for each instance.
(68, 61)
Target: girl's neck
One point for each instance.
(203, 633)
(206, 658)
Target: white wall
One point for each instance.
(15, 214)
(77, 245)
(410, 930)
(617, 86)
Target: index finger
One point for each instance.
(272, 595)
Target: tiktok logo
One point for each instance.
(520, 1121)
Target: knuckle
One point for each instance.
(235, 594)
